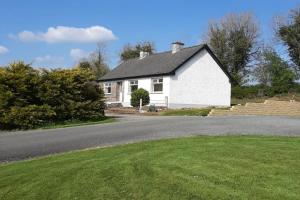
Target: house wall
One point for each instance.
(155, 98)
(199, 83)
(113, 96)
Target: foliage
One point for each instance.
(245, 92)
(296, 88)
(235, 42)
(27, 117)
(152, 108)
(259, 92)
(222, 167)
(139, 94)
(130, 51)
(72, 94)
(289, 33)
(30, 98)
(96, 62)
(275, 72)
(77, 122)
(18, 85)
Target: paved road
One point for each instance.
(27, 144)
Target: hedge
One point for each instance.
(30, 98)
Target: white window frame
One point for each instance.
(106, 86)
(158, 80)
(135, 82)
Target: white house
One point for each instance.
(181, 78)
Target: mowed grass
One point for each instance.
(73, 123)
(186, 112)
(232, 167)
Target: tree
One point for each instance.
(262, 72)
(96, 62)
(234, 40)
(275, 72)
(130, 51)
(137, 95)
(289, 33)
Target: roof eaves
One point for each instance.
(134, 77)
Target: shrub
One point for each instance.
(31, 98)
(296, 88)
(27, 117)
(139, 94)
(254, 91)
(152, 108)
(245, 92)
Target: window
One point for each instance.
(107, 88)
(133, 85)
(157, 84)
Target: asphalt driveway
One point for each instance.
(26, 144)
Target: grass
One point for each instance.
(232, 167)
(72, 123)
(187, 112)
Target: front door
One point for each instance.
(119, 92)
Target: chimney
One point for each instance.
(176, 46)
(143, 54)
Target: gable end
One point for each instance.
(206, 47)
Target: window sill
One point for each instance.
(156, 92)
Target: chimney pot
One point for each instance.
(177, 46)
(143, 54)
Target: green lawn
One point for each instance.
(79, 123)
(73, 123)
(187, 112)
(232, 167)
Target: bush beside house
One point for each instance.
(139, 94)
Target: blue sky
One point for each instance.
(56, 33)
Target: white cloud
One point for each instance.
(27, 36)
(49, 61)
(3, 49)
(78, 54)
(61, 34)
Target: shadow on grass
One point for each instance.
(68, 123)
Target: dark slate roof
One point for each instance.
(165, 63)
